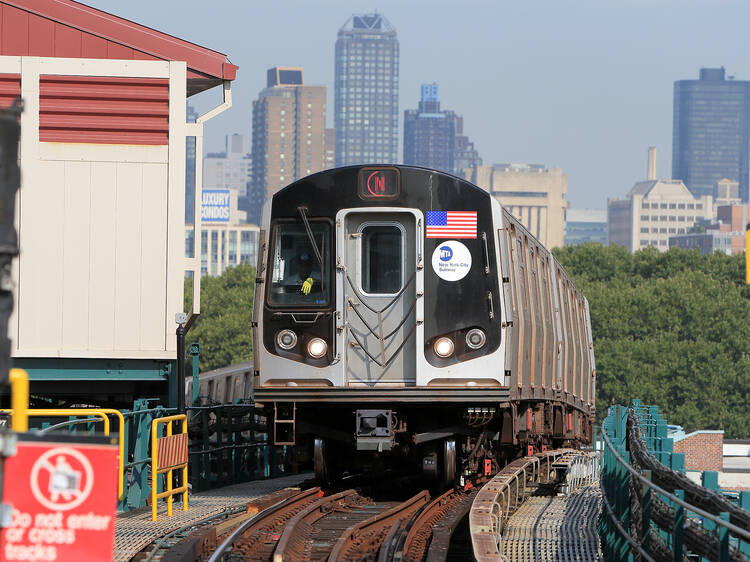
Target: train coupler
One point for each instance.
(374, 430)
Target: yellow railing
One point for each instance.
(155, 470)
(19, 399)
(19, 416)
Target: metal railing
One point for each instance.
(101, 413)
(498, 500)
(164, 461)
(652, 511)
(19, 384)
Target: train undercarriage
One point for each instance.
(450, 443)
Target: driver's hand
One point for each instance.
(307, 285)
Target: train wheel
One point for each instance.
(319, 460)
(449, 462)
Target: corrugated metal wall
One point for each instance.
(10, 89)
(86, 109)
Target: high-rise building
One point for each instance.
(288, 134)
(330, 149)
(231, 169)
(532, 193)
(585, 225)
(430, 134)
(727, 192)
(465, 156)
(711, 132)
(192, 115)
(653, 211)
(366, 91)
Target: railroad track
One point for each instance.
(348, 526)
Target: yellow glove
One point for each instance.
(307, 285)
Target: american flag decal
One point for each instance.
(451, 224)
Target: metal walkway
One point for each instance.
(134, 530)
(555, 528)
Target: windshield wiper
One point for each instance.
(310, 237)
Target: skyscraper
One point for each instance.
(711, 132)
(430, 134)
(366, 91)
(231, 169)
(288, 134)
(466, 156)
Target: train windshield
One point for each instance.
(297, 278)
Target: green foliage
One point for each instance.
(223, 327)
(672, 329)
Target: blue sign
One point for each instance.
(215, 205)
(445, 253)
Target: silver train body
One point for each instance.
(435, 329)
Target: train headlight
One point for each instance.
(475, 338)
(443, 347)
(317, 348)
(286, 339)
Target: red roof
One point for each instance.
(63, 28)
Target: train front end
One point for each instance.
(379, 326)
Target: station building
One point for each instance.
(99, 281)
(532, 193)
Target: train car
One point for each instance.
(402, 316)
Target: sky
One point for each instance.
(585, 86)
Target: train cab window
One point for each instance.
(297, 278)
(382, 257)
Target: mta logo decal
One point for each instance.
(445, 253)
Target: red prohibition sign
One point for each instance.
(62, 479)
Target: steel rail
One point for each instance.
(291, 538)
(718, 520)
(259, 518)
(160, 543)
(365, 536)
(415, 544)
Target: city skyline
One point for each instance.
(711, 131)
(560, 84)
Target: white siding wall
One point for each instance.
(101, 230)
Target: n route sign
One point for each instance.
(63, 493)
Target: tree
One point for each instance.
(672, 329)
(224, 326)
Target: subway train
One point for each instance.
(404, 318)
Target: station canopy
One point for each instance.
(63, 28)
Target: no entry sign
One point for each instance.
(64, 496)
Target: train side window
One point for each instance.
(382, 258)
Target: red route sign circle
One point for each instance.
(61, 479)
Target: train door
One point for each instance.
(379, 298)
